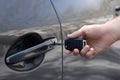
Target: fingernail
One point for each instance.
(91, 49)
(68, 35)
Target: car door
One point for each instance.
(76, 13)
(23, 25)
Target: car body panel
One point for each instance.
(79, 10)
(38, 19)
(77, 13)
(18, 18)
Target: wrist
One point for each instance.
(112, 29)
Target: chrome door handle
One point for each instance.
(31, 52)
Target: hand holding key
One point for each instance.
(99, 37)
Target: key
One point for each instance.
(76, 43)
(73, 43)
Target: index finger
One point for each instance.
(76, 34)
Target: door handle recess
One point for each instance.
(31, 52)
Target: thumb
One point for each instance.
(76, 34)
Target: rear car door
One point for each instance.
(76, 13)
(25, 24)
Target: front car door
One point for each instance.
(25, 24)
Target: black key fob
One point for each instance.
(75, 43)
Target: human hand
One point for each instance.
(99, 37)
